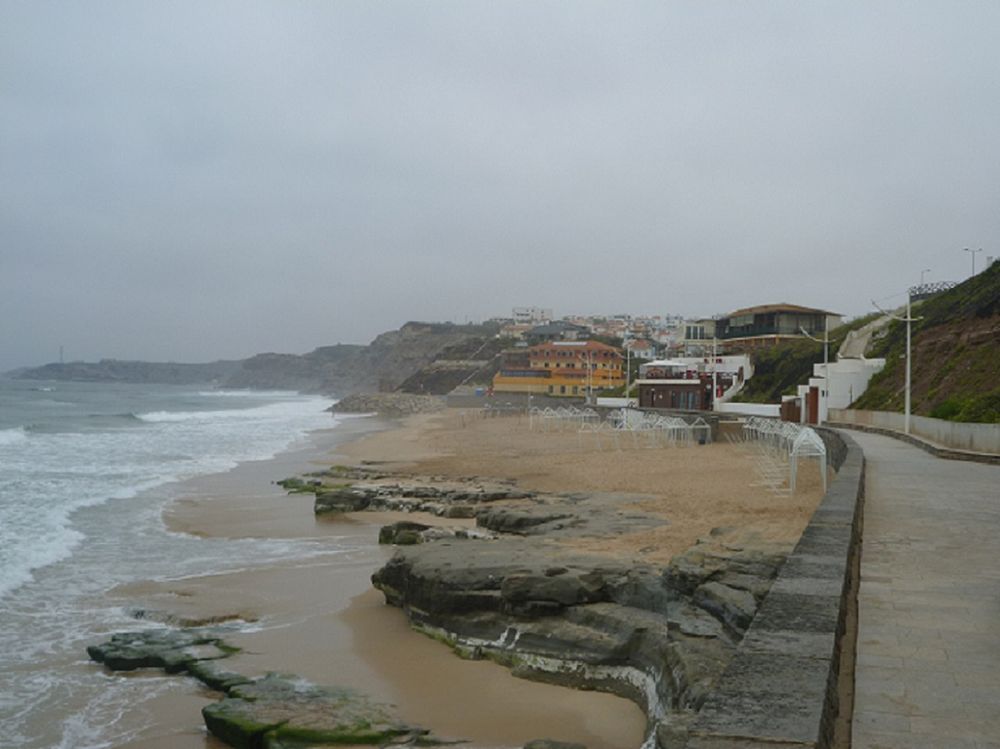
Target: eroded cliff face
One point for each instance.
(336, 370)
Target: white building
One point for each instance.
(835, 385)
(532, 315)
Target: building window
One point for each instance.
(575, 390)
(562, 389)
(551, 388)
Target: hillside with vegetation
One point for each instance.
(956, 356)
(778, 370)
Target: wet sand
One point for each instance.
(320, 618)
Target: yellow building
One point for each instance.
(561, 368)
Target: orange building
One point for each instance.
(561, 368)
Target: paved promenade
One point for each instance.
(928, 668)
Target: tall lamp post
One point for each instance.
(628, 371)
(925, 270)
(973, 253)
(826, 357)
(909, 319)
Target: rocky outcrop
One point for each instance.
(530, 596)
(273, 711)
(661, 636)
(172, 650)
(279, 711)
(391, 405)
(454, 499)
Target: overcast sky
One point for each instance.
(197, 180)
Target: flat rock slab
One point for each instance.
(172, 650)
(274, 712)
(281, 711)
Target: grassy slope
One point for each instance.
(956, 356)
(778, 370)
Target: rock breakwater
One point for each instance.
(390, 405)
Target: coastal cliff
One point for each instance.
(383, 365)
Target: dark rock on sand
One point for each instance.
(172, 650)
(348, 499)
(270, 713)
(521, 521)
(402, 533)
(279, 711)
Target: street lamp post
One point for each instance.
(715, 367)
(909, 320)
(973, 253)
(826, 357)
(628, 371)
(925, 270)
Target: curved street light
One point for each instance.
(908, 320)
(973, 253)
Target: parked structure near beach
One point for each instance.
(686, 383)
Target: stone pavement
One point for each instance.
(928, 653)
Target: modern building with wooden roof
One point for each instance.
(769, 324)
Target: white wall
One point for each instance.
(617, 402)
(982, 438)
(848, 379)
(750, 409)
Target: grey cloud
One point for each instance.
(195, 180)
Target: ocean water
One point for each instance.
(85, 471)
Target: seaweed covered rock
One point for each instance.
(278, 711)
(273, 712)
(402, 533)
(348, 499)
(173, 650)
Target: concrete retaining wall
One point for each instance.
(981, 438)
(781, 688)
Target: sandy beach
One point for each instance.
(321, 619)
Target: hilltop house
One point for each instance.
(770, 324)
(559, 330)
(560, 368)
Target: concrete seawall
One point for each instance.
(783, 685)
